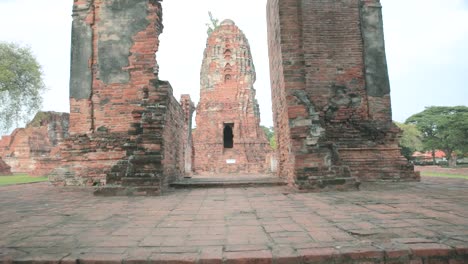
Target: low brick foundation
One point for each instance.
(136, 161)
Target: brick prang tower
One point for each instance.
(228, 137)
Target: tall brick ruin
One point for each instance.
(331, 94)
(127, 131)
(34, 149)
(228, 137)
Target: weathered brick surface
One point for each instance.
(5, 169)
(227, 98)
(384, 223)
(124, 120)
(188, 109)
(330, 90)
(27, 149)
(328, 73)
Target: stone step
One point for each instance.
(141, 181)
(333, 183)
(225, 183)
(128, 191)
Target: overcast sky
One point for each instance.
(426, 42)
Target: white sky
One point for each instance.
(426, 42)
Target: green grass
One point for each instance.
(444, 175)
(20, 178)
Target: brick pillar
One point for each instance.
(188, 108)
(331, 95)
(284, 42)
(81, 76)
(377, 80)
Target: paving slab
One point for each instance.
(424, 222)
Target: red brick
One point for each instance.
(33, 149)
(211, 255)
(248, 257)
(320, 84)
(137, 124)
(429, 249)
(318, 255)
(227, 96)
(318, 73)
(362, 252)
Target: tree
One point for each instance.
(20, 85)
(273, 143)
(270, 134)
(411, 139)
(444, 128)
(214, 24)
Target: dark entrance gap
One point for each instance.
(228, 136)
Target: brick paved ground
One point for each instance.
(406, 223)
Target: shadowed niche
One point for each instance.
(228, 136)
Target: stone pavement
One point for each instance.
(228, 180)
(413, 223)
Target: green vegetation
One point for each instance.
(20, 85)
(270, 134)
(444, 128)
(20, 178)
(443, 175)
(410, 140)
(39, 118)
(213, 25)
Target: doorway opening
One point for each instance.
(228, 136)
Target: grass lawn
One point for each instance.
(20, 178)
(443, 175)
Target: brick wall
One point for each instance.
(279, 65)
(329, 74)
(115, 43)
(121, 114)
(177, 138)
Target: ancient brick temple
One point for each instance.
(34, 149)
(127, 131)
(228, 137)
(330, 93)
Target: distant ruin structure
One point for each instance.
(228, 137)
(34, 149)
(330, 94)
(5, 169)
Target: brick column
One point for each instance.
(81, 76)
(377, 80)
